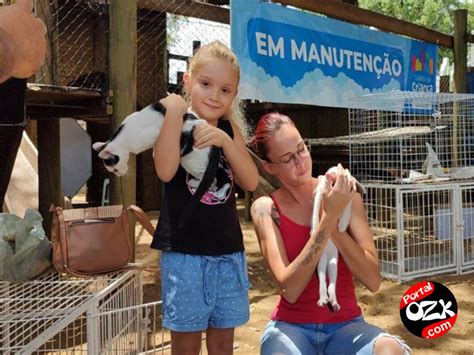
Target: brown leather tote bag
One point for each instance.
(90, 241)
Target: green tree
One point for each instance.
(434, 14)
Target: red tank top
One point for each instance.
(305, 309)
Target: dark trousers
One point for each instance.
(12, 124)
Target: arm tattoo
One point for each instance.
(275, 215)
(313, 248)
(262, 211)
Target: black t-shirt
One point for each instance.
(213, 228)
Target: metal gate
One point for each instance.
(422, 229)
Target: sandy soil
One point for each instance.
(381, 308)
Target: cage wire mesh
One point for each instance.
(467, 239)
(415, 154)
(103, 315)
(186, 31)
(392, 133)
(133, 330)
(423, 230)
(78, 43)
(412, 230)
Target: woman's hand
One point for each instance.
(336, 198)
(175, 105)
(206, 135)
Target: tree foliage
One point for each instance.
(433, 14)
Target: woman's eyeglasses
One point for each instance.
(287, 161)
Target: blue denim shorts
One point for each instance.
(204, 291)
(353, 337)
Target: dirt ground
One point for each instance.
(381, 308)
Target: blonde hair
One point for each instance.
(218, 50)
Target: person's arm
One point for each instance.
(235, 151)
(291, 278)
(6, 55)
(246, 173)
(22, 41)
(357, 247)
(166, 152)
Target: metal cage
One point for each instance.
(414, 152)
(390, 134)
(102, 315)
(422, 230)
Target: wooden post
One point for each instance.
(99, 132)
(49, 170)
(149, 187)
(460, 50)
(123, 83)
(248, 203)
(460, 71)
(179, 80)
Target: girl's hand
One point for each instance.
(174, 104)
(206, 135)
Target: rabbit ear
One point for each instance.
(105, 154)
(98, 146)
(360, 188)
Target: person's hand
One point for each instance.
(23, 40)
(336, 198)
(174, 105)
(206, 135)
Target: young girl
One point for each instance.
(203, 266)
(282, 222)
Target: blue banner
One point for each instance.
(291, 56)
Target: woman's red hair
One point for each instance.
(266, 128)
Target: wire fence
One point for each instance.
(77, 46)
(185, 30)
(78, 43)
